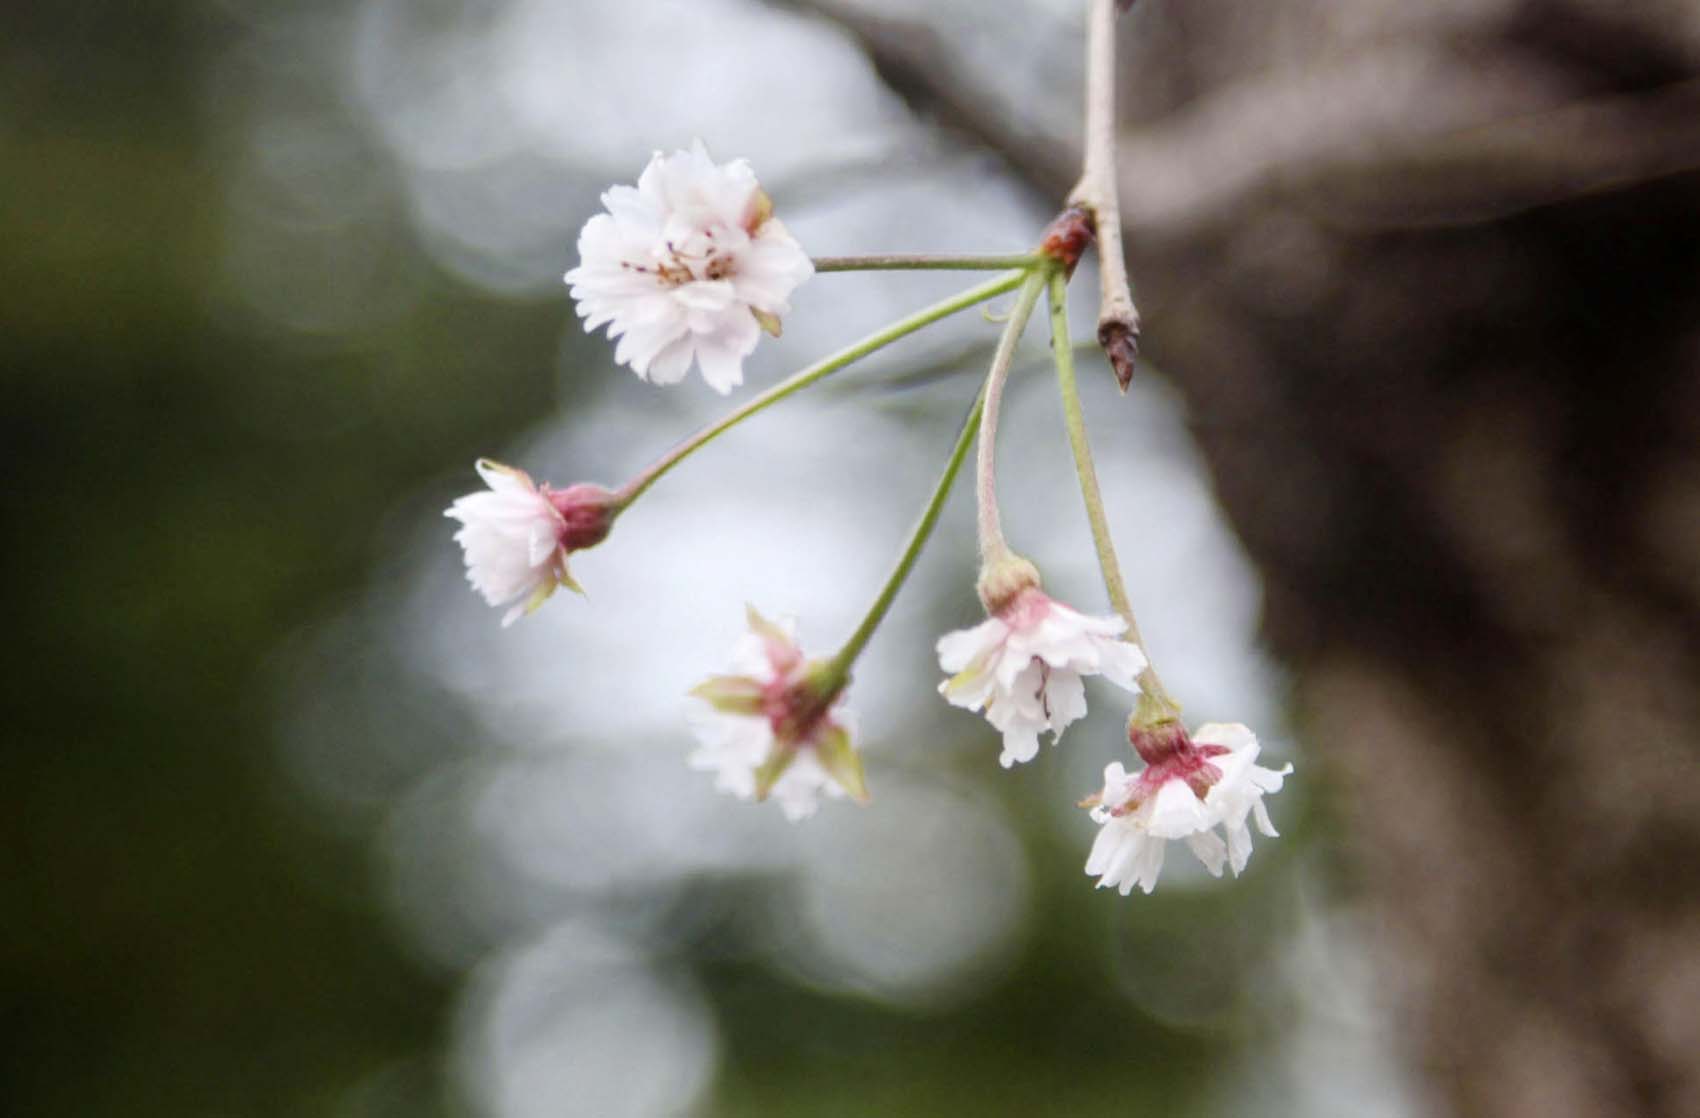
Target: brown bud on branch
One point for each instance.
(1067, 237)
(1119, 339)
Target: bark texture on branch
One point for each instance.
(1426, 274)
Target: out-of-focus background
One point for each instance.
(1410, 484)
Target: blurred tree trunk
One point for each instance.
(1428, 275)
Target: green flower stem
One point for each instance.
(838, 668)
(1063, 351)
(992, 544)
(635, 488)
(925, 262)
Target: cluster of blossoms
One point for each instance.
(689, 267)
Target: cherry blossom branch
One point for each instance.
(993, 547)
(846, 656)
(881, 338)
(1062, 349)
(1118, 318)
(924, 262)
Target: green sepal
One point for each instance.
(770, 770)
(764, 628)
(760, 210)
(964, 678)
(539, 596)
(842, 762)
(730, 694)
(565, 578)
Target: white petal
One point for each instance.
(1020, 743)
(1065, 695)
(1239, 847)
(543, 539)
(1210, 850)
(722, 368)
(672, 363)
(1120, 663)
(1233, 735)
(1118, 783)
(1147, 866)
(956, 650)
(1175, 812)
(1261, 814)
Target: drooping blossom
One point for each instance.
(771, 727)
(1023, 664)
(1189, 788)
(689, 265)
(517, 535)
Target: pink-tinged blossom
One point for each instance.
(517, 535)
(688, 266)
(1192, 786)
(774, 726)
(1023, 666)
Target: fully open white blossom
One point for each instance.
(1139, 813)
(689, 265)
(1023, 665)
(752, 731)
(516, 535)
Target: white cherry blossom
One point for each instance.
(1205, 781)
(687, 266)
(769, 730)
(1023, 666)
(516, 535)
(1129, 848)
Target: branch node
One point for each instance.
(1067, 237)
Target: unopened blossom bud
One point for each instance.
(689, 266)
(517, 535)
(772, 727)
(1197, 783)
(1023, 664)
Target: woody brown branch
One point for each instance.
(1097, 192)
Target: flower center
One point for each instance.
(700, 257)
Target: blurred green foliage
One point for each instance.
(180, 939)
